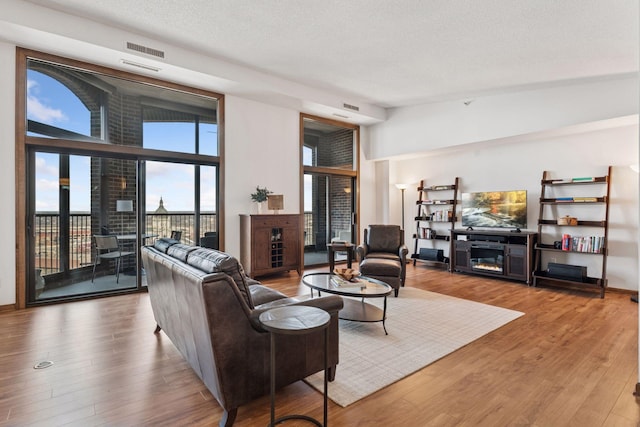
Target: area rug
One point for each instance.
(423, 327)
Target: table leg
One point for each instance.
(349, 257)
(384, 316)
(273, 379)
(332, 260)
(326, 369)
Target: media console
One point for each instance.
(503, 254)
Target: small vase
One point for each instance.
(260, 208)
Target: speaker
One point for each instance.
(566, 271)
(431, 254)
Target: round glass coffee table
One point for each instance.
(362, 287)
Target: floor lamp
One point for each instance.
(402, 187)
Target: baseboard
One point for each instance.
(8, 307)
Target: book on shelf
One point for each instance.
(585, 199)
(564, 199)
(583, 179)
(588, 244)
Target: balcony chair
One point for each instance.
(110, 245)
(176, 235)
(210, 240)
(383, 255)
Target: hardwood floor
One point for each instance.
(571, 360)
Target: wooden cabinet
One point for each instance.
(270, 243)
(435, 218)
(503, 254)
(573, 226)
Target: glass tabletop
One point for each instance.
(360, 287)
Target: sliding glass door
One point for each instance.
(78, 199)
(329, 152)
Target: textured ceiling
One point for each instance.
(394, 52)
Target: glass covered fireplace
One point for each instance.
(487, 257)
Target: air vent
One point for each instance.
(145, 49)
(351, 107)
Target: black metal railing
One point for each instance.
(47, 235)
(309, 236)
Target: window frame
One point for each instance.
(90, 146)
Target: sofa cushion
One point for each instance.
(384, 255)
(261, 295)
(212, 261)
(164, 243)
(180, 251)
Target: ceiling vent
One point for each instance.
(144, 49)
(351, 107)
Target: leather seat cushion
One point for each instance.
(384, 255)
(380, 267)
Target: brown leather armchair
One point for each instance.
(383, 255)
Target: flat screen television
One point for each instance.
(495, 209)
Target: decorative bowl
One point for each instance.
(346, 273)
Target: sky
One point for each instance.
(52, 103)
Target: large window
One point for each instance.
(108, 153)
(330, 182)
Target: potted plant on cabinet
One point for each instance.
(260, 196)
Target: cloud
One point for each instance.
(36, 109)
(45, 169)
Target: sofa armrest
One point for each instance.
(402, 253)
(361, 252)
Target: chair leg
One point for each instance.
(95, 263)
(118, 270)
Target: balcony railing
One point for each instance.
(47, 235)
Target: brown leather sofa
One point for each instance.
(209, 308)
(383, 255)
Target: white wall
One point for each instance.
(262, 147)
(426, 127)
(7, 176)
(519, 165)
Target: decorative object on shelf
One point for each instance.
(556, 198)
(567, 220)
(275, 202)
(435, 220)
(261, 195)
